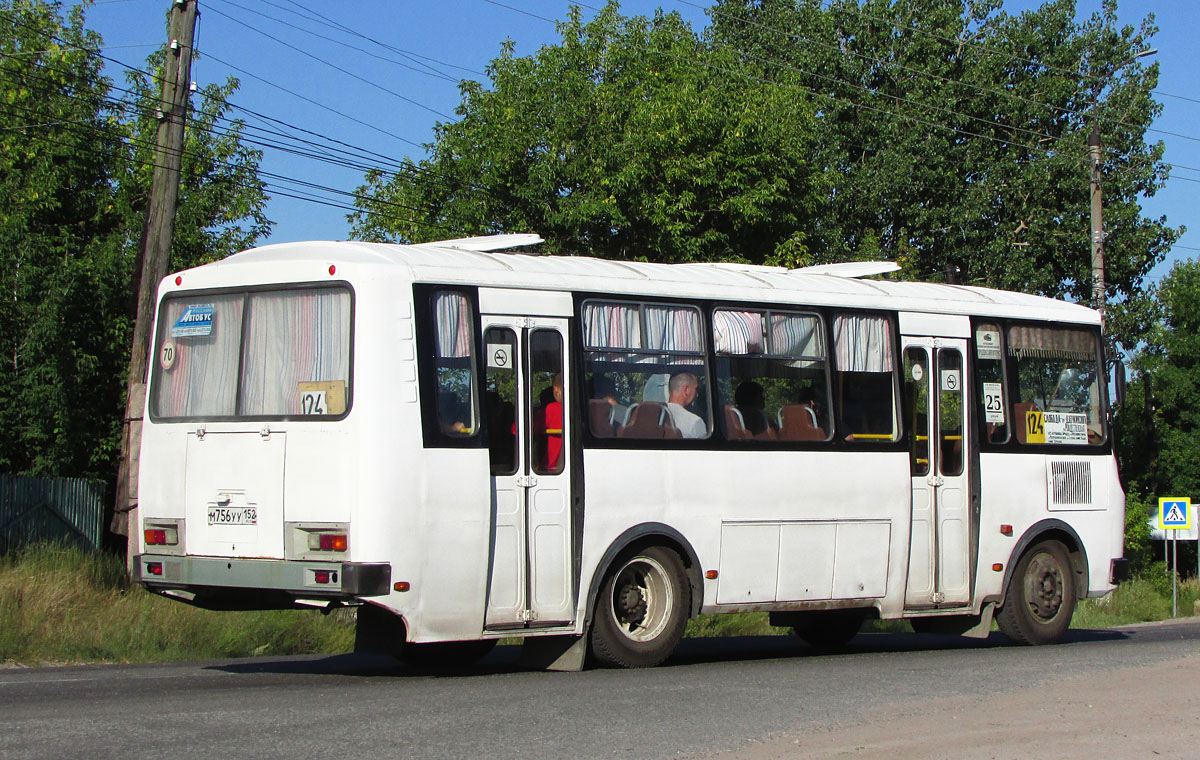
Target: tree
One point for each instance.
(958, 134)
(1160, 420)
(74, 174)
(631, 139)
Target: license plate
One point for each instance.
(233, 516)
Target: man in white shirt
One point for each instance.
(682, 391)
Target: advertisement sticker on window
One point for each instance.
(196, 320)
(987, 344)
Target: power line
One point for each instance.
(334, 66)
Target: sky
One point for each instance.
(379, 74)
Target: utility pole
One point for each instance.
(1098, 299)
(154, 252)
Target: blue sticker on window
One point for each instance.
(196, 319)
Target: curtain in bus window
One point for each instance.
(672, 328)
(862, 343)
(612, 325)
(453, 314)
(797, 335)
(296, 341)
(738, 332)
(1043, 343)
(200, 377)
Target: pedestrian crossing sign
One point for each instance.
(1174, 513)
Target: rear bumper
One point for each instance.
(296, 578)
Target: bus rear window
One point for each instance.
(261, 354)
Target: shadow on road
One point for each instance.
(505, 659)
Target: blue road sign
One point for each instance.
(1175, 513)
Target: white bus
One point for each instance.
(469, 444)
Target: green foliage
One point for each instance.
(1138, 546)
(61, 604)
(631, 139)
(1159, 435)
(75, 167)
(957, 160)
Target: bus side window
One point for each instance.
(645, 362)
(772, 381)
(866, 385)
(454, 364)
(989, 368)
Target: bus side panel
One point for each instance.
(1014, 492)
(424, 511)
(749, 515)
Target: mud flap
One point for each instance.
(563, 653)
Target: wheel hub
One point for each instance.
(630, 604)
(1045, 587)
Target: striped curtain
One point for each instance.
(202, 379)
(797, 335)
(292, 337)
(452, 312)
(612, 325)
(738, 332)
(672, 328)
(862, 343)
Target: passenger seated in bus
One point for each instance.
(450, 414)
(751, 403)
(801, 421)
(807, 398)
(602, 390)
(682, 391)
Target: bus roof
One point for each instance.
(468, 262)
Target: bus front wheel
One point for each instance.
(642, 609)
(1041, 596)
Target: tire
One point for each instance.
(642, 609)
(1040, 598)
(829, 630)
(446, 655)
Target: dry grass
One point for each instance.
(60, 604)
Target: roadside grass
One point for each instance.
(1140, 600)
(62, 604)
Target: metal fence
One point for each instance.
(48, 509)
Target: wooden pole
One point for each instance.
(154, 253)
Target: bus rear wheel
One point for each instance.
(642, 610)
(1041, 596)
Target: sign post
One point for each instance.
(1174, 514)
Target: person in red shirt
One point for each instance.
(554, 428)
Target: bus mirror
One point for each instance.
(1118, 382)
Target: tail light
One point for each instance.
(161, 536)
(328, 542)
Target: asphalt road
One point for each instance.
(713, 696)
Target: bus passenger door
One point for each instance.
(939, 545)
(530, 583)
